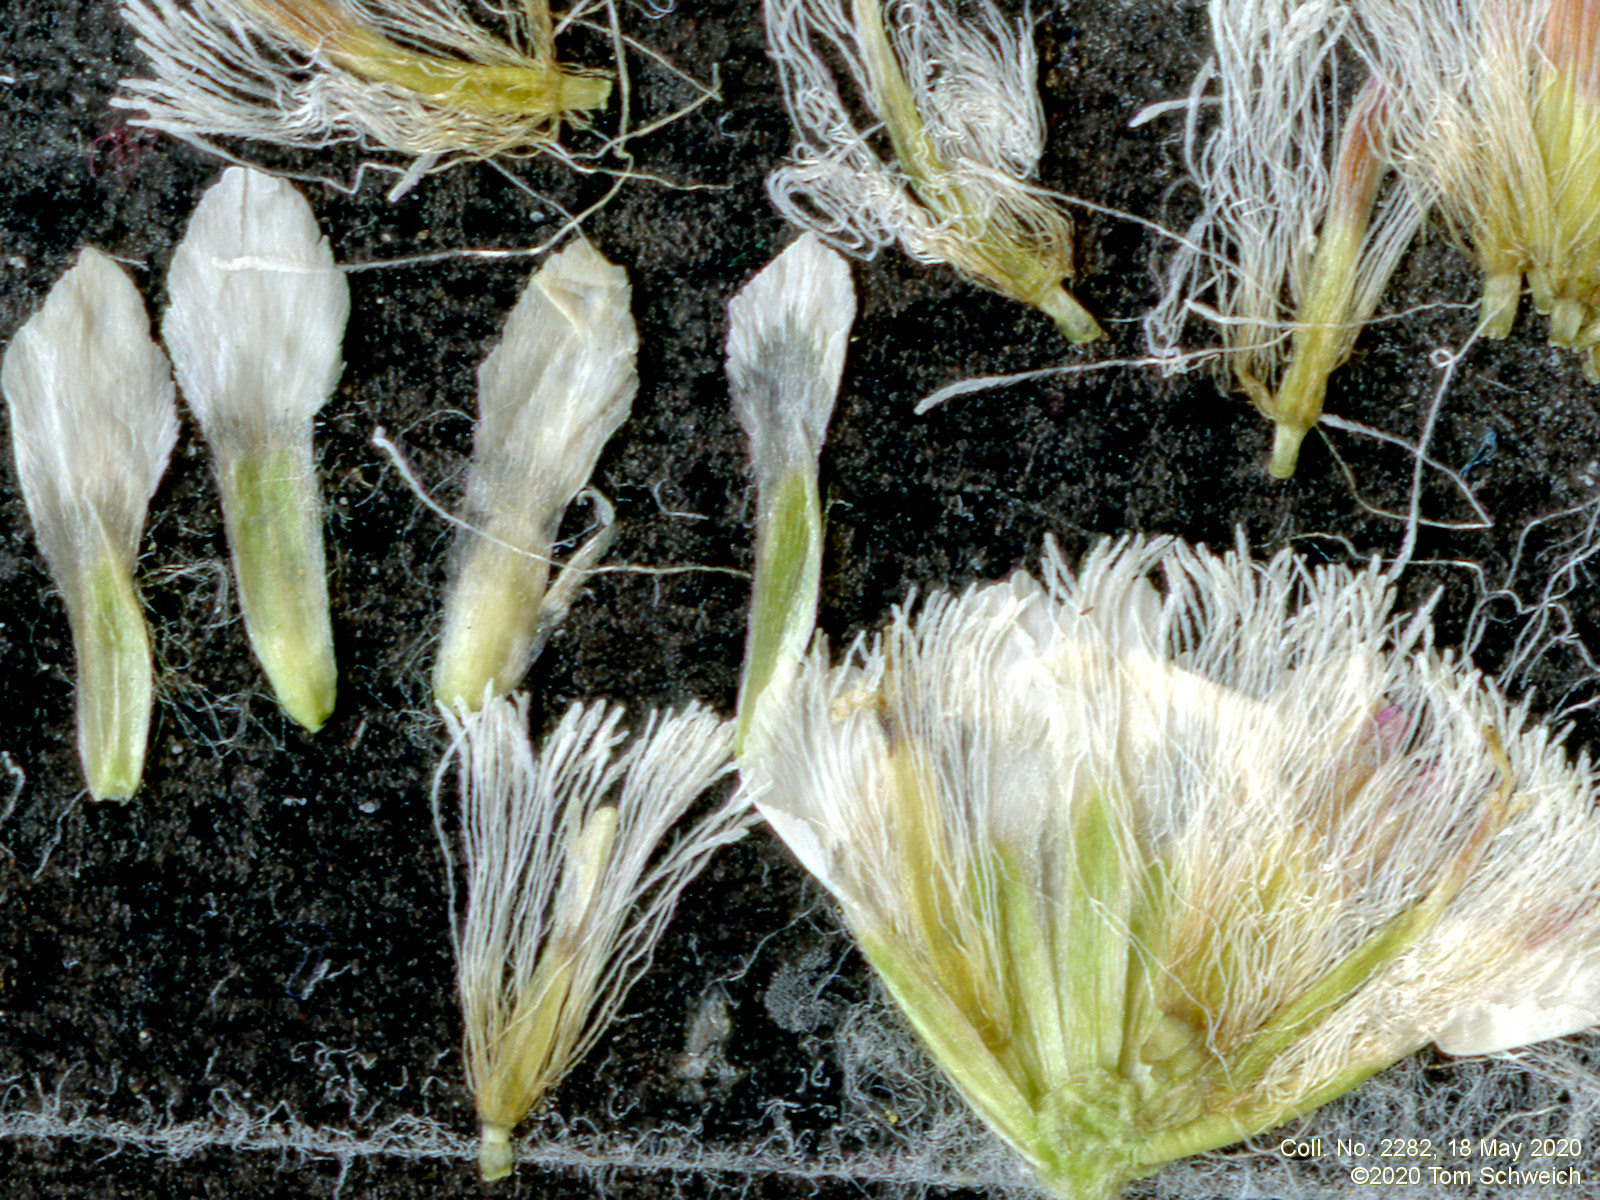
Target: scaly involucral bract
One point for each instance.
(255, 321)
(92, 425)
(788, 329)
(550, 396)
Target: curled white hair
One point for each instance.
(958, 103)
(1498, 115)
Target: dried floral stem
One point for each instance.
(1296, 241)
(415, 76)
(483, 90)
(1325, 326)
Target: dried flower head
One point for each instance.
(957, 103)
(550, 395)
(572, 872)
(255, 325)
(1150, 871)
(419, 77)
(1497, 113)
(93, 423)
(1293, 247)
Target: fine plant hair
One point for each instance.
(1225, 849)
(957, 102)
(1463, 118)
(255, 325)
(1498, 115)
(1280, 177)
(93, 423)
(788, 329)
(550, 395)
(416, 77)
(1548, 1091)
(572, 871)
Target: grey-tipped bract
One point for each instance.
(787, 333)
(92, 425)
(255, 322)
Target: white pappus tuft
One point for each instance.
(550, 395)
(1151, 871)
(1497, 113)
(958, 103)
(93, 423)
(572, 872)
(1293, 246)
(788, 330)
(418, 77)
(255, 322)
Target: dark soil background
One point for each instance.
(267, 921)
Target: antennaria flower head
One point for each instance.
(572, 873)
(415, 76)
(255, 323)
(1498, 113)
(788, 329)
(959, 106)
(1293, 247)
(550, 395)
(92, 425)
(1153, 870)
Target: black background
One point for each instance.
(267, 921)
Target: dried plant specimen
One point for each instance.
(93, 423)
(1294, 244)
(255, 324)
(957, 102)
(572, 871)
(550, 395)
(418, 77)
(787, 333)
(1497, 115)
(1153, 871)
